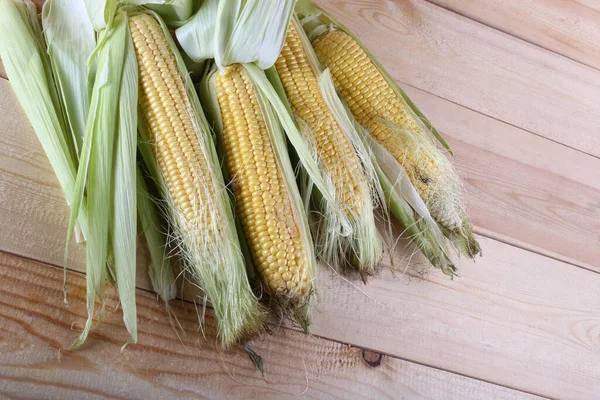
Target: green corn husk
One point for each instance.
(124, 215)
(81, 99)
(22, 44)
(174, 13)
(317, 23)
(111, 198)
(71, 41)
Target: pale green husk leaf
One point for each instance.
(197, 36)
(174, 13)
(249, 31)
(71, 41)
(22, 44)
(124, 216)
(237, 31)
(97, 160)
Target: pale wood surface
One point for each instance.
(456, 58)
(35, 325)
(515, 318)
(570, 28)
(525, 316)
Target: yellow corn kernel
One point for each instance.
(262, 200)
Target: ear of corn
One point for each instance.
(353, 239)
(252, 33)
(188, 172)
(386, 113)
(267, 200)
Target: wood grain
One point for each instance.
(456, 58)
(514, 318)
(499, 322)
(522, 188)
(35, 326)
(570, 28)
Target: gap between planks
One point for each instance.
(330, 368)
(570, 37)
(404, 86)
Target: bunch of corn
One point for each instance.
(347, 172)
(385, 112)
(191, 180)
(84, 98)
(267, 200)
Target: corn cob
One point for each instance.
(334, 150)
(390, 120)
(162, 98)
(192, 183)
(269, 217)
(337, 157)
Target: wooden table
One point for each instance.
(514, 86)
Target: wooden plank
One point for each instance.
(522, 188)
(570, 28)
(492, 323)
(35, 327)
(514, 318)
(448, 55)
